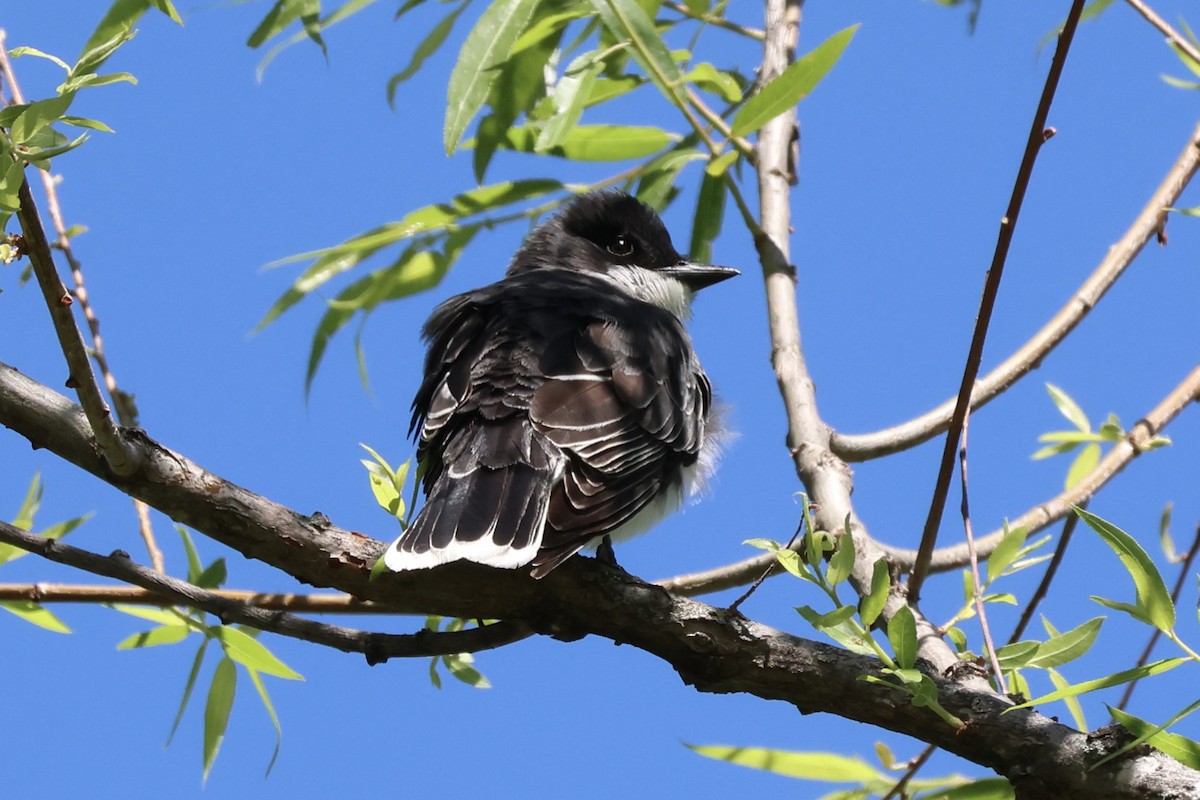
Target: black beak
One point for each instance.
(699, 276)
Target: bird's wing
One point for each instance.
(627, 402)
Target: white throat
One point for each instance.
(669, 294)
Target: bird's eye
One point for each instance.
(621, 246)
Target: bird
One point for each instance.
(563, 404)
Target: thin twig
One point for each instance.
(715, 21)
(713, 118)
(323, 603)
(1034, 519)
(1185, 571)
(1038, 135)
(1173, 36)
(898, 790)
(1148, 224)
(1043, 587)
(122, 401)
(772, 567)
(377, 647)
(989, 646)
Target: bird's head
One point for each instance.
(620, 238)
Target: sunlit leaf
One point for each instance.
(461, 667)
(1006, 551)
(1116, 679)
(872, 604)
(1069, 408)
(428, 46)
(216, 711)
(163, 634)
(486, 47)
(251, 653)
(36, 614)
(1083, 465)
(706, 227)
(1066, 647)
(792, 85)
(902, 633)
(261, 688)
(816, 766)
(628, 22)
(1182, 749)
(197, 662)
(845, 633)
(1074, 707)
(1153, 599)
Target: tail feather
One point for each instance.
(490, 514)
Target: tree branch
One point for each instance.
(377, 647)
(1173, 36)
(1149, 223)
(324, 603)
(711, 649)
(1038, 134)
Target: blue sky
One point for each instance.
(909, 151)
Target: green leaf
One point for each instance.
(872, 604)
(1184, 750)
(815, 766)
(1083, 465)
(711, 79)
(195, 570)
(17, 52)
(460, 667)
(105, 41)
(706, 226)
(902, 633)
(216, 711)
(982, 789)
(1074, 707)
(197, 662)
(628, 22)
(1006, 551)
(845, 633)
(792, 85)
(163, 634)
(487, 46)
(1164, 534)
(213, 576)
(428, 46)
(257, 680)
(831, 619)
(657, 184)
(1069, 408)
(1066, 647)
(84, 122)
(1153, 599)
(596, 142)
(1017, 654)
(569, 96)
(10, 552)
(251, 653)
(1116, 679)
(36, 116)
(34, 613)
(163, 616)
(841, 563)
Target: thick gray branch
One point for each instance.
(710, 649)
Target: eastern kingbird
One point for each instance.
(563, 403)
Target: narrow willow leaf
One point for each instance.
(706, 227)
(982, 789)
(1006, 551)
(259, 687)
(1083, 465)
(30, 504)
(711, 79)
(838, 616)
(1164, 534)
(902, 633)
(163, 616)
(163, 634)
(216, 711)
(657, 183)
(1067, 647)
(792, 85)
(1074, 707)
(628, 22)
(1017, 654)
(1153, 599)
(841, 563)
(213, 576)
(596, 142)
(815, 766)
(84, 122)
(1184, 750)
(197, 662)
(57, 531)
(1069, 408)
(1053, 450)
(721, 164)
(281, 15)
(872, 604)
(97, 50)
(195, 568)
(17, 52)
(1116, 679)
(251, 653)
(460, 667)
(844, 633)
(487, 46)
(428, 46)
(34, 613)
